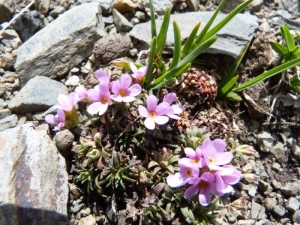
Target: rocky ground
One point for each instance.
(56, 45)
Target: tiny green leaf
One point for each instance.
(162, 36)
(226, 88)
(189, 42)
(232, 96)
(177, 46)
(280, 49)
(150, 60)
(153, 24)
(287, 37)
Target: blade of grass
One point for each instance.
(189, 42)
(280, 49)
(268, 74)
(229, 85)
(288, 38)
(233, 69)
(177, 46)
(222, 23)
(231, 96)
(209, 23)
(189, 58)
(160, 64)
(153, 24)
(296, 50)
(150, 60)
(162, 36)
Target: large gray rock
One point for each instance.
(231, 39)
(39, 94)
(63, 44)
(7, 8)
(34, 180)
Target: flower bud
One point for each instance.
(246, 150)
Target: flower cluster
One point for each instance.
(122, 90)
(207, 171)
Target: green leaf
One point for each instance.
(152, 163)
(226, 88)
(160, 64)
(268, 74)
(231, 96)
(162, 36)
(189, 58)
(222, 23)
(171, 169)
(280, 49)
(233, 69)
(163, 84)
(296, 51)
(207, 26)
(153, 24)
(287, 37)
(177, 46)
(189, 42)
(150, 60)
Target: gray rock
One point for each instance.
(292, 204)
(123, 6)
(231, 39)
(278, 150)
(7, 9)
(255, 6)
(61, 45)
(265, 142)
(8, 60)
(4, 113)
(111, 47)
(246, 222)
(43, 6)
(279, 210)
(63, 139)
(34, 182)
(257, 211)
(296, 151)
(105, 6)
(85, 212)
(291, 189)
(296, 217)
(270, 203)
(56, 11)
(29, 23)
(265, 187)
(39, 94)
(121, 23)
(231, 5)
(77, 207)
(8, 122)
(160, 7)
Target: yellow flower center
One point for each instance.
(152, 114)
(189, 173)
(211, 160)
(123, 93)
(104, 100)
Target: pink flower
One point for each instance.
(177, 109)
(155, 113)
(138, 73)
(185, 174)
(102, 76)
(122, 90)
(194, 159)
(59, 119)
(214, 155)
(101, 98)
(81, 92)
(202, 186)
(67, 102)
(225, 177)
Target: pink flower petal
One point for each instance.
(204, 196)
(51, 119)
(61, 115)
(175, 180)
(189, 152)
(172, 116)
(125, 81)
(219, 145)
(133, 68)
(102, 76)
(191, 191)
(128, 99)
(149, 123)
(185, 162)
(64, 102)
(117, 97)
(94, 108)
(143, 111)
(177, 109)
(116, 87)
(169, 98)
(224, 158)
(151, 103)
(135, 90)
(219, 183)
(163, 109)
(93, 95)
(103, 108)
(208, 177)
(161, 119)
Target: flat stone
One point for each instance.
(120, 21)
(39, 94)
(296, 217)
(89, 220)
(292, 204)
(265, 141)
(278, 150)
(8, 122)
(279, 210)
(123, 5)
(270, 203)
(296, 151)
(257, 211)
(34, 180)
(63, 139)
(231, 39)
(61, 45)
(291, 189)
(4, 113)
